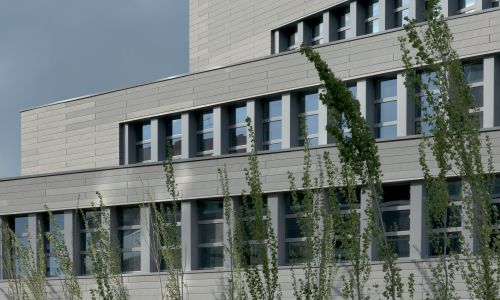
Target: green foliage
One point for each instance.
(56, 239)
(103, 248)
(167, 242)
(359, 165)
(233, 246)
(317, 223)
(456, 146)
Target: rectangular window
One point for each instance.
(308, 118)
(238, 129)
(401, 11)
(291, 37)
(19, 225)
(423, 109)
(205, 133)
(466, 6)
(174, 136)
(317, 37)
(344, 24)
(396, 217)
(385, 108)
(52, 265)
(372, 17)
(93, 218)
(143, 141)
(473, 73)
(129, 236)
(210, 233)
(171, 214)
(294, 238)
(272, 124)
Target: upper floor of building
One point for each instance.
(224, 32)
(202, 113)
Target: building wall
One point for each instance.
(84, 133)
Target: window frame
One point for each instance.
(345, 13)
(268, 121)
(472, 85)
(304, 115)
(213, 245)
(120, 229)
(142, 142)
(401, 205)
(400, 9)
(46, 220)
(320, 38)
(237, 148)
(465, 9)
(373, 18)
(169, 138)
(380, 101)
(201, 132)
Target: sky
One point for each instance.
(52, 50)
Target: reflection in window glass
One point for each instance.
(385, 108)
(272, 124)
(204, 133)
(400, 245)
(143, 142)
(129, 236)
(210, 233)
(372, 20)
(344, 24)
(237, 129)
(317, 31)
(174, 136)
(308, 117)
(55, 227)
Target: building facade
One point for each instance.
(244, 62)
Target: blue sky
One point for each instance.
(57, 49)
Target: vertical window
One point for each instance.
(466, 6)
(344, 24)
(291, 37)
(352, 87)
(205, 133)
(143, 142)
(171, 213)
(272, 124)
(372, 17)
(385, 108)
(52, 265)
(294, 238)
(174, 136)
(94, 221)
(401, 11)
(473, 73)
(317, 31)
(129, 236)
(251, 256)
(447, 228)
(422, 107)
(19, 225)
(396, 218)
(308, 117)
(210, 233)
(238, 129)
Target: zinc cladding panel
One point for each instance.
(196, 178)
(97, 118)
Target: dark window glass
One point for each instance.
(309, 103)
(293, 229)
(400, 245)
(396, 195)
(437, 245)
(143, 152)
(398, 220)
(205, 121)
(205, 141)
(210, 209)
(237, 136)
(143, 131)
(131, 261)
(129, 216)
(238, 115)
(295, 252)
(52, 265)
(272, 109)
(211, 257)
(210, 233)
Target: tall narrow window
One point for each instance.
(143, 141)
(237, 129)
(372, 17)
(205, 133)
(396, 218)
(291, 37)
(129, 235)
(272, 124)
(52, 264)
(385, 108)
(210, 233)
(317, 37)
(473, 73)
(93, 218)
(174, 136)
(170, 214)
(401, 11)
(19, 225)
(294, 237)
(252, 255)
(448, 227)
(422, 106)
(344, 23)
(308, 117)
(466, 6)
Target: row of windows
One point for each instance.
(209, 228)
(382, 105)
(315, 29)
